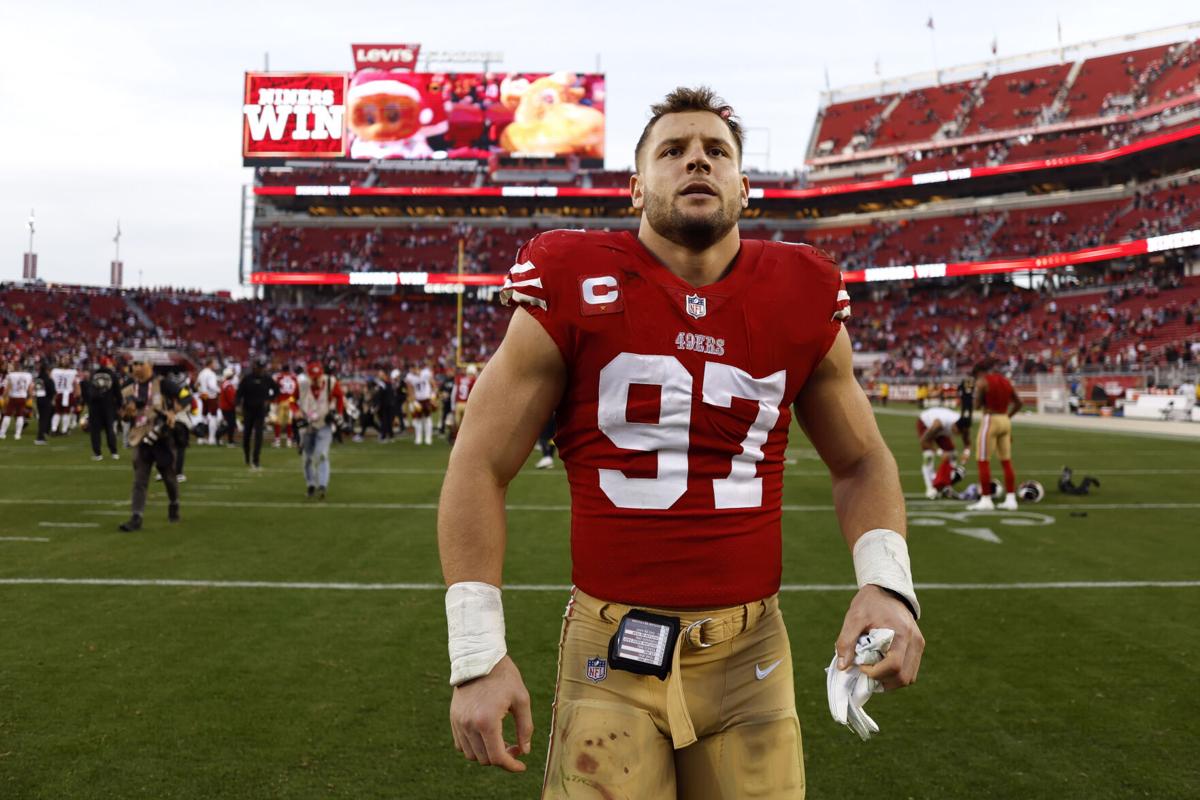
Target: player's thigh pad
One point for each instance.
(755, 751)
(750, 760)
(607, 737)
(610, 750)
(1002, 431)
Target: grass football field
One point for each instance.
(273, 647)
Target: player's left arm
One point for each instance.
(836, 416)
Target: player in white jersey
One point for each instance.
(66, 381)
(208, 386)
(17, 385)
(421, 395)
(936, 427)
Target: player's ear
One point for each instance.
(636, 193)
(745, 191)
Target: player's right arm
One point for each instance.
(514, 397)
(1015, 404)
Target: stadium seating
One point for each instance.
(1103, 86)
(1016, 99)
(1110, 83)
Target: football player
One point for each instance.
(17, 385)
(421, 393)
(998, 401)
(66, 391)
(673, 360)
(285, 403)
(936, 427)
(463, 383)
(208, 386)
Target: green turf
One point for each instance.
(189, 692)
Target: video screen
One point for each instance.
(392, 114)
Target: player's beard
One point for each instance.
(694, 231)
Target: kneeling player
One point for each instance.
(936, 426)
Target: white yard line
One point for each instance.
(23, 539)
(234, 473)
(68, 524)
(924, 505)
(438, 587)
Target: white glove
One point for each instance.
(850, 689)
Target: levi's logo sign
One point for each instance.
(386, 55)
(600, 295)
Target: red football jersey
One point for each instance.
(228, 396)
(463, 384)
(288, 387)
(999, 393)
(674, 421)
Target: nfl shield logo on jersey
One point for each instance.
(695, 305)
(597, 669)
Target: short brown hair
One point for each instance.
(683, 100)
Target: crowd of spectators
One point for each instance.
(1142, 319)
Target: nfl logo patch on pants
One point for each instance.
(597, 669)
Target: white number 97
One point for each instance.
(669, 437)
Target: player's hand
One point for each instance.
(477, 712)
(874, 607)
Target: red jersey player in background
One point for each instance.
(285, 405)
(463, 383)
(998, 401)
(227, 403)
(673, 361)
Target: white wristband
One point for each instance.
(881, 558)
(475, 621)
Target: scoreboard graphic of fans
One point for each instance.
(392, 113)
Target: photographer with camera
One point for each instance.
(321, 406)
(150, 404)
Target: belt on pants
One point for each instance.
(698, 629)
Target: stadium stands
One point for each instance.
(1016, 99)
(1117, 99)
(940, 331)
(1108, 84)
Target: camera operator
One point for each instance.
(256, 392)
(321, 403)
(103, 393)
(150, 404)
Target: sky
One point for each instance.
(131, 110)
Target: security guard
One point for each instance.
(149, 404)
(43, 392)
(103, 393)
(256, 392)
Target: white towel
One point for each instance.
(849, 689)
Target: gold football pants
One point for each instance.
(723, 724)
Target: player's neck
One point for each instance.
(696, 267)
